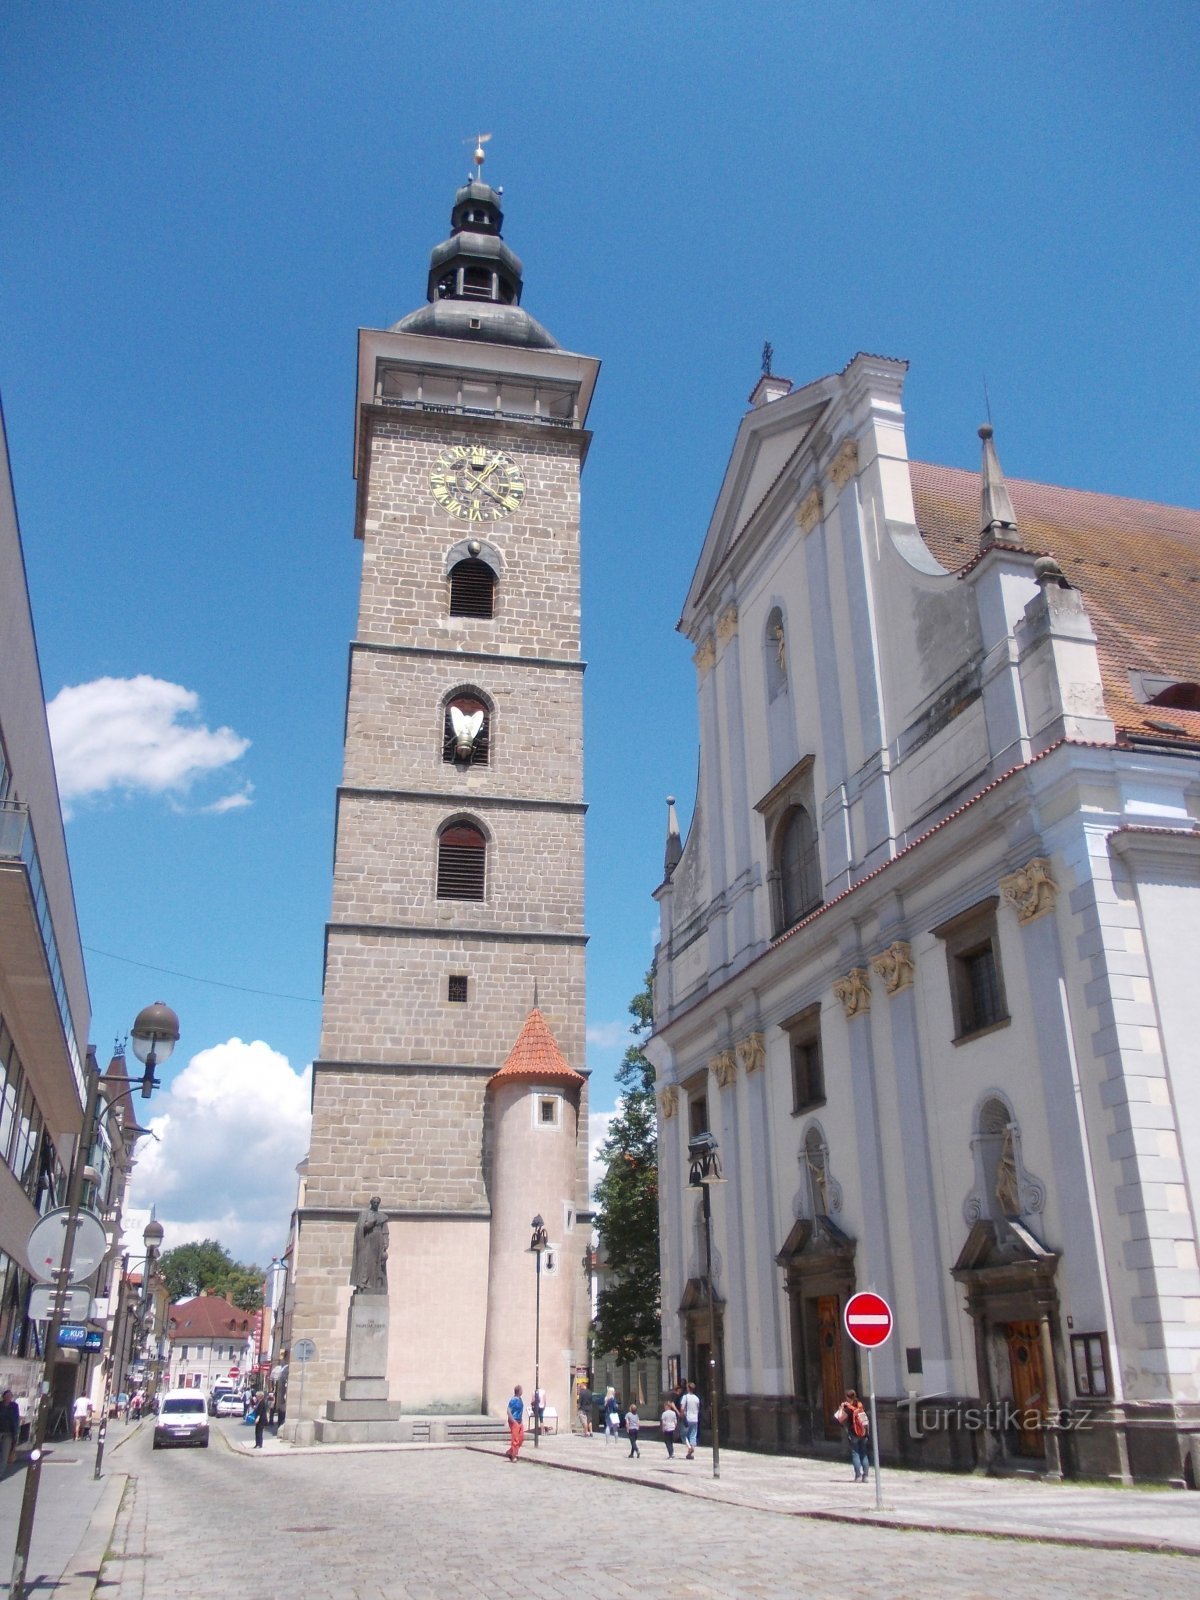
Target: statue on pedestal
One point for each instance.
(368, 1266)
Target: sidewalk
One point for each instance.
(1085, 1515)
(75, 1514)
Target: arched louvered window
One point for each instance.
(472, 589)
(472, 750)
(799, 867)
(462, 862)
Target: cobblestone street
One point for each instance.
(445, 1524)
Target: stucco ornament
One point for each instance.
(854, 991)
(809, 513)
(727, 623)
(669, 1101)
(705, 657)
(845, 464)
(752, 1052)
(724, 1068)
(895, 966)
(1031, 890)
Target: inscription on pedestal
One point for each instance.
(367, 1336)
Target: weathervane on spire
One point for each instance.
(768, 356)
(478, 158)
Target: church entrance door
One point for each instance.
(829, 1343)
(1028, 1387)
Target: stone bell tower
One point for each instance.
(458, 872)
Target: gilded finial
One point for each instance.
(480, 155)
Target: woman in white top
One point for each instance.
(668, 1422)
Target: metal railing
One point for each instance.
(17, 843)
(403, 403)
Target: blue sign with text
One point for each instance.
(73, 1336)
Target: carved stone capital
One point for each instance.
(895, 966)
(854, 991)
(705, 657)
(669, 1101)
(845, 464)
(809, 513)
(723, 1067)
(727, 623)
(1031, 891)
(752, 1052)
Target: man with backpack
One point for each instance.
(853, 1418)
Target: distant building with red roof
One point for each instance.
(210, 1340)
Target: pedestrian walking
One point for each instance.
(690, 1411)
(632, 1424)
(83, 1417)
(538, 1406)
(516, 1424)
(583, 1405)
(260, 1418)
(853, 1418)
(612, 1414)
(668, 1422)
(10, 1430)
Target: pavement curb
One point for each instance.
(82, 1573)
(869, 1519)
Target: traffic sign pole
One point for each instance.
(869, 1322)
(874, 1429)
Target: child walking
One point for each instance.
(632, 1424)
(668, 1422)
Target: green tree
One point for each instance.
(628, 1315)
(206, 1264)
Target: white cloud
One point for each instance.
(233, 1125)
(137, 735)
(608, 1035)
(598, 1123)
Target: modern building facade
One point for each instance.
(456, 940)
(44, 1006)
(923, 961)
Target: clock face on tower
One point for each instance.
(476, 483)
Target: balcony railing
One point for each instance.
(17, 843)
(448, 408)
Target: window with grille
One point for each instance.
(976, 980)
(799, 867)
(462, 862)
(476, 753)
(472, 589)
(456, 988)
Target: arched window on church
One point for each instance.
(466, 729)
(472, 589)
(799, 867)
(462, 862)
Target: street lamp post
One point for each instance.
(152, 1239)
(705, 1171)
(539, 1244)
(154, 1034)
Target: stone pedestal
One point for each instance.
(364, 1414)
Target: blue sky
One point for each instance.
(201, 204)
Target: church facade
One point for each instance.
(922, 963)
(456, 941)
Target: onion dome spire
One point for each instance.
(475, 280)
(998, 520)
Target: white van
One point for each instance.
(182, 1418)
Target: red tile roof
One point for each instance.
(1136, 563)
(536, 1056)
(208, 1316)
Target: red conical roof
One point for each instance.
(536, 1056)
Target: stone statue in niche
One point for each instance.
(780, 639)
(1008, 1184)
(368, 1266)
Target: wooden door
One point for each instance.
(1028, 1387)
(829, 1344)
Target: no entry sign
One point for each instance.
(868, 1319)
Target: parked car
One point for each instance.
(218, 1392)
(229, 1405)
(182, 1419)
